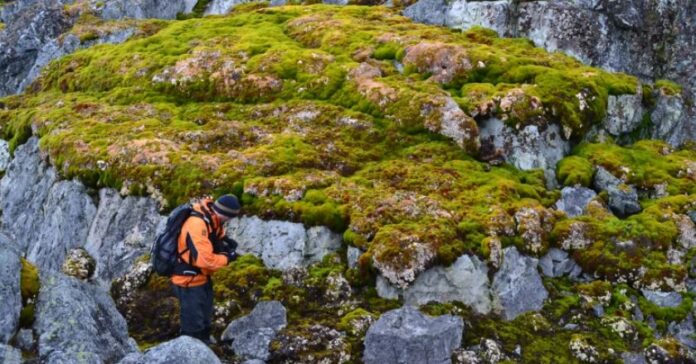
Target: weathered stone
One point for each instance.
(684, 332)
(79, 264)
(352, 256)
(10, 293)
(405, 335)
(139, 9)
(282, 245)
(219, 7)
(557, 263)
(582, 350)
(4, 155)
(623, 199)
(313, 344)
(25, 339)
(10, 355)
(465, 281)
(687, 231)
(122, 230)
(517, 286)
(494, 15)
(633, 358)
(182, 350)
(252, 334)
(663, 299)
(79, 322)
(528, 148)
(624, 113)
(534, 225)
(427, 11)
(574, 200)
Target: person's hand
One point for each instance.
(231, 243)
(231, 256)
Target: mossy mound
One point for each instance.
(351, 117)
(29, 285)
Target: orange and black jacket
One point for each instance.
(197, 243)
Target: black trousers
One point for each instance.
(195, 310)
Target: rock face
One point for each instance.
(141, 9)
(218, 7)
(405, 335)
(574, 200)
(28, 29)
(79, 322)
(517, 286)
(10, 294)
(607, 34)
(123, 229)
(183, 349)
(50, 216)
(465, 281)
(282, 245)
(528, 148)
(253, 334)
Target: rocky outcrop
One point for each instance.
(281, 244)
(528, 148)
(10, 294)
(464, 281)
(183, 349)
(649, 39)
(623, 198)
(141, 9)
(10, 355)
(123, 229)
(405, 335)
(218, 7)
(517, 286)
(251, 335)
(79, 322)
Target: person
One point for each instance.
(203, 249)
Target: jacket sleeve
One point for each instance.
(204, 256)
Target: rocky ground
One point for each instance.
(410, 180)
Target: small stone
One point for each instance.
(663, 299)
(251, 335)
(79, 264)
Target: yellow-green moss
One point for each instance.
(668, 87)
(29, 285)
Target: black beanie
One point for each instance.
(227, 205)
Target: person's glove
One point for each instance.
(231, 256)
(231, 243)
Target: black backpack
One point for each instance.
(164, 252)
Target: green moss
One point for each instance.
(668, 87)
(575, 170)
(29, 285)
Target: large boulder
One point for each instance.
(527, 148)
(463, 14)
(123, 229)
(281, 244)
(78, 322)
(10, 292)
(517, 286)
(251, 335)
(182, 350)
(465, 281)
(405, 335)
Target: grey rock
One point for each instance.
(252, 334)
(405, 335)
(517, 286)
(386, 289)
(623, 199)
(218, 7)
(624, 113)
(335, 2)
(50, 216)
(123, 230)
(182, 350)
(463, 14)
(557, 263)
(427, 11)
(143, 9)
(79, 264)
(670, 121)
(79, 322)
(352, 256)
(465, 281)
(278, 2)
(528, 148)
(692, 215)
(574, 200)
(281, 244)
(633, 358)
(10, 355)
(10, 293)
(4, 155)
(684, 331)
(25, 339)
(598, 310)
(29, 28)
(663, 299)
